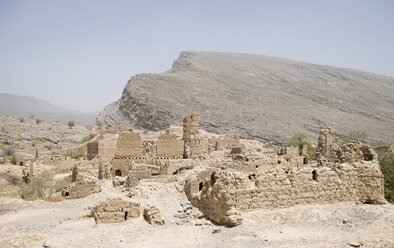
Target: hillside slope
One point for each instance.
(263, 97)
(24, 106)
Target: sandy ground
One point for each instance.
(66, 224)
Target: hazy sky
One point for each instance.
(79, 54)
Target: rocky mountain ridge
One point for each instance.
(258, 96)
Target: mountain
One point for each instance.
(258, 96)
(24, 106)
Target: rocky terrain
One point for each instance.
(68, 224)
(258, 96)
(24, 106)
(24, 135)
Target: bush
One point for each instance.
(386, 162)
(21, 120)
(6, 141)
(41, 186)
(357, 135)
(38, 121)
(9, 151)
(14, 160)
(74, 154)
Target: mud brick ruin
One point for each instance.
(115, 210)
(344, 173)
(195, 143)
(168, 147)
(228, 177)
(152, 215)
(82, 185)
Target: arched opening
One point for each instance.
(67, 194)
(21, 164)
(125, 216)
(279, 161)
(315, 176)
(118, 173)
(305, 160)
(252, 176)
(200, 186)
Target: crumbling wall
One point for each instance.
(105, 169)
(115, 210)
(107, 148)
(83, 186)
(227, 141)
(129, 145)
(168, 147)
(194, 143)
(293, 156)
(138, 172)
(152, 215)
(227, 190)
(326, 150)
(92, 150)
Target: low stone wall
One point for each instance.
(115, 210)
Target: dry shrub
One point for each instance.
(41, 185)
(53, 198)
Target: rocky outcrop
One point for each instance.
(258, 96)
(152, 215)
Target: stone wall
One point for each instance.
(129, 145)
(115, 210)
(92, 150)
(223, 142)
(107, 148)
(168, 147)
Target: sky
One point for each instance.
(79, 54)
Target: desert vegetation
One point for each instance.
(299, 140)
(386, 162)
(75, 154)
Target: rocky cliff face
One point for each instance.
(259, 96)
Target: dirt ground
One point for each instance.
(67, 224)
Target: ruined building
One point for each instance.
(129, 148)
(195, 144)
(344, 173)
(115, 210)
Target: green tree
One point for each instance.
(299, 140)
(386, 162)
